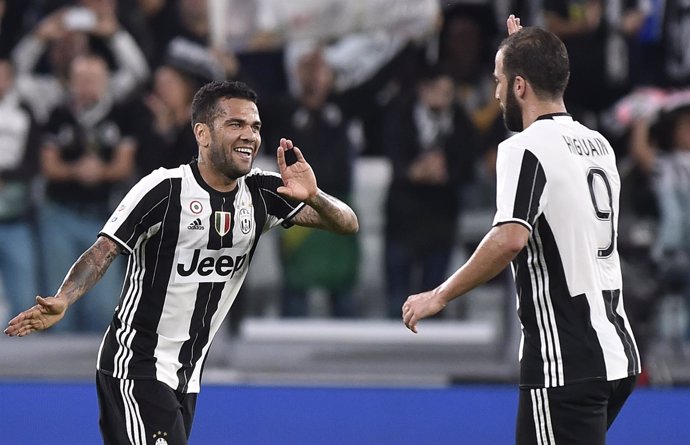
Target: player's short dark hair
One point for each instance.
(538, 56)
(205, 102)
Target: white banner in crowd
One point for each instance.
(242, 25)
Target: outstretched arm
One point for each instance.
(83, 275)
(323, 211)
(494, 253)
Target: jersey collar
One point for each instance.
(197, 175)
(552, 115)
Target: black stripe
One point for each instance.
(612, 299)
(581, 352)
(206, 305)
(154, 283)
(154, 207)
(530, 186)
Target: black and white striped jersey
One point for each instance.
(189, 249)
(559, 179)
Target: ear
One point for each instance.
(202, 132)
(520, 87)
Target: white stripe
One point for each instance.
(536, 417)
(542, 417)
(557, 354)
(135, 298)
(125, 334)
(544, 337)
(547, 415)
(133, 421)
(123, 314)
(543, 306)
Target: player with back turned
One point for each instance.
(556, 221)
(190, 233)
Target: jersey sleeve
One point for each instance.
(279, 210)
(520, 184)
(139, 214)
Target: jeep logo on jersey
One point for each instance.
(245, 220)
(209, 266)
(223, 222)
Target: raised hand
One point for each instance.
(43, 315)
(513, 24)
(299, 181)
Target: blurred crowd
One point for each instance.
(95, 94)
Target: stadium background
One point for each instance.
(329, 382)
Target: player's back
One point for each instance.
(560, 179)
(580, 199)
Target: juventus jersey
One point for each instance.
(189, 248)
(559, 179)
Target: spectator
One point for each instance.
(313, 259)
(466, 46)
(84, 159)
(162, 118)
(665, 58)
(597, 35)
(662, 149)
(63, 38)
(18, 166)
(184, 23)
(431, 143)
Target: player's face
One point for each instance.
(235, 137)
(512, 110)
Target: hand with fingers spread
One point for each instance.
(298, 179)
(421, 306)
(45, 313)
(513, 24)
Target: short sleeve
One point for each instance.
(279, 210)
(520, 184)
(139, 213)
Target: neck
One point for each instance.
(530, 112)
(215, 179)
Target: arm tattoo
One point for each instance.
(88, 269)
(327, 212)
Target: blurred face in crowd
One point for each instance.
(88, 81)
(194, 16)
(234, 137)
(6, 77)
(512, 111)
(315, 76)
(437, 93)
(173, 88)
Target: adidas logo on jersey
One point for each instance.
(196, 225)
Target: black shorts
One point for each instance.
(141, 412)
(572, 414)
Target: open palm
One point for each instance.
(299, 181)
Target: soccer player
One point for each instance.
(556, 221)
(190, 233)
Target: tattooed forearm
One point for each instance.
(327, 212)
(88, 269)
